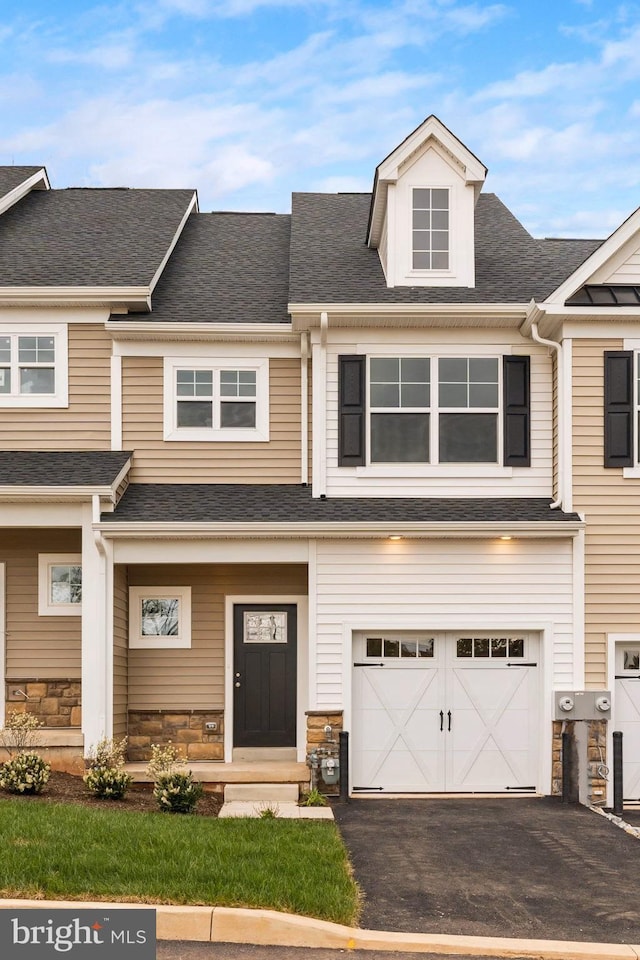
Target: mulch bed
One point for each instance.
(67, 788)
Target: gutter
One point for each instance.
(381, 530)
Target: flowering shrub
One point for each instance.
(177, 792)
(24, 773)
(106, 776)
(20, 733)
(164, 759)
(107, 783)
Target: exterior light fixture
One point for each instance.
(506, 538)
(395, 536)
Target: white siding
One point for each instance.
(409, 480)
(439, 584)
(627, 272)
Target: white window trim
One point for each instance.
(182, 640)
(633, 473)
(45, 606)
(434, 467)
(61, 397)
(259, 433)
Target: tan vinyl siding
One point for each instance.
(612, 509)
(85, 423)
(37, 647)
(160, 461)
(194, 679)
(120, 650)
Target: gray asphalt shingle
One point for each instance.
(12, 177)
(89, 237)
(93, 468)
(226, 267)
(330, 262)
(196, 503)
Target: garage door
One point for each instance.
(445, 712)
(627, 716)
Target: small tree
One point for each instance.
(20, 733)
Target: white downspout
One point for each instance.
(322, 374)
(554, 345)
(304, 408)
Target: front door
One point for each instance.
(264, 675)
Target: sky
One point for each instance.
(249, 100)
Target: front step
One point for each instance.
(261, 792)
(259, 799)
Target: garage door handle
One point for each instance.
(441, 721)
(449, 717)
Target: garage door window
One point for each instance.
(479, 648)
(400, 647)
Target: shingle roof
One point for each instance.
(92, 468)
(12, 177)
(88, 237)
(201, 503)
(226, 267)
(330, 262)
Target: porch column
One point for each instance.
(97, 632)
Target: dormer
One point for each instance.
(421, 220)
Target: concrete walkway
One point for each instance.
(513, 867)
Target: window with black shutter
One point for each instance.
(517, 411)
(618, 408)
(352, 410)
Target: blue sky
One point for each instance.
(247, 100)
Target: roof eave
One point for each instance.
(127, 298)
(140, 330)
(306, 316)
(140, 530)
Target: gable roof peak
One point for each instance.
(388, 171)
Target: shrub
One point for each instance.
(164, 759)
(24, 773)
(107, 753)
(177, 792)
(107, 783)
(20, 733)
(106, 777)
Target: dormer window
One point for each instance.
(430, 228)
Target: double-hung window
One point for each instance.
(33, 367)
(430, 228)
(455, 422)
(434, 410)
(205, 400)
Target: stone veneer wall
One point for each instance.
(596, 757)
(317, 720)
(185, 729)
(56, 703)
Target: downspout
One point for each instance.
(103, 614)
(304, 408)
(322, 374)
(554, 345)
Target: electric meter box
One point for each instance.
(582, 704)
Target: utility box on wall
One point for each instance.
(582, 705)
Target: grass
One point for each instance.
(69, 852)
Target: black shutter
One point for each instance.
(351, 410)
(618, 408)
(517, 411)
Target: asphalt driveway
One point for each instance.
(493, 867)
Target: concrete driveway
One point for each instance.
(493, 867)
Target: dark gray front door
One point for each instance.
(264, 675)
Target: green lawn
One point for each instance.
(71, 852)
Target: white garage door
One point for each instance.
(445, 712)
(627, 716)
